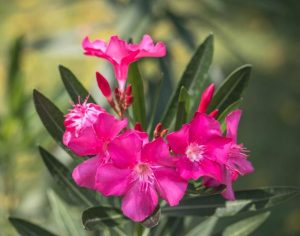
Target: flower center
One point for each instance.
(144, 174)
(195, 152)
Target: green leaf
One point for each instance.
(73, 85)
(195, 73)
(50, 115)
(138, 106)
(246, 200)
(205, 228)
(231, 89)
(246, 226)
(62, 176)
(183, 108)
(102, 216)
(15, 83)
(235, 105)
(63, 217)
(26, 228)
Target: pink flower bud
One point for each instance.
(214, 113)
(128, 90)
(104, 86)
(138, 127)
(206, 98)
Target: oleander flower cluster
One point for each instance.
(126, 162)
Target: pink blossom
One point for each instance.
(235, 161)
(140, 174)
(89, 129)
(120, 53)
(197, 146)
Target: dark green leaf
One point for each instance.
(102, 216)
(246, 200)
(230, 108)
(231, 89)
(26, 228)
(183, 108)
(62, 176)
(246, 226)
(138, 106)
(50, 115)
(205, 228)
(194, 73)
(73, 85)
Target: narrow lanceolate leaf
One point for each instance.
(138, 106)
(246, 226)
(26, 228)
(231, 89)
(62, 176)
(246, 200)
(73, 86)
(100, 216)
(63, 217)
(183, 108)
(194, 73)
(235, 105)
(205, 228)
(50, 115)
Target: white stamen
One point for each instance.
(195, 152)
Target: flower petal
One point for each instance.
(112, 181)
(107, 126)
(203, 128)
(170, 185)
(187, 169)
(125, 150)
(83, 144)
(178, 140)
(138, 203)
(84, 174)
(232, 122)
(157, 152)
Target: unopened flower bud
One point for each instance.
(104, 86)
(128, 90)
(206, 98)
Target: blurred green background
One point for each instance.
(264, 33)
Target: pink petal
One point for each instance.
(203, 128)
(107, 126)
(211, 169)
(148, 49)
(91, 48)
(83, 144)
(241, 165)
(84, 174)
(112, 181)
(228, 193)
(170, 185)
(117, 49)
(232, 122)
(157, 152)
(125, 150)
(187, 169)
(138, 203)
(178, 140)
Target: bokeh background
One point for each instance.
(264, 33)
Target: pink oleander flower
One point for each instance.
(89, 129)
(140, 173)
(120, 53)
(197, 146)
(235, 161)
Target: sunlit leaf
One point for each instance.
(63, 217)
(231, 89)
(246, 226)
(195, 73)
(246, 200)
(205, 228)
(138, 106)
(73, 85)
(26, 228)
